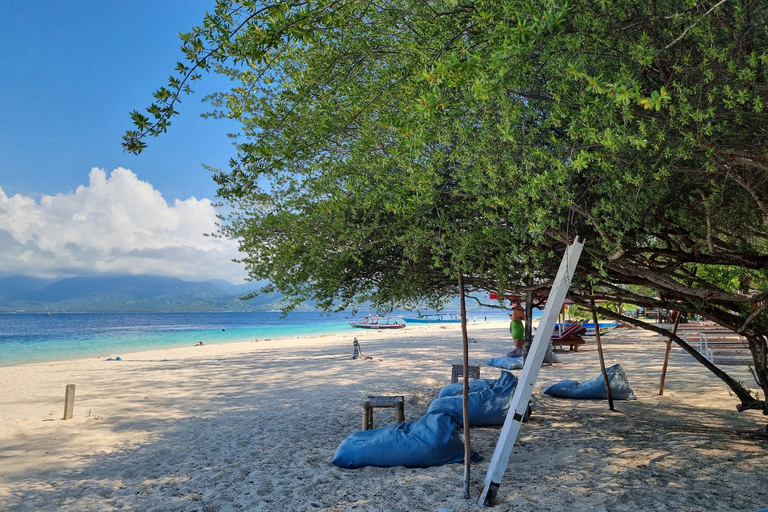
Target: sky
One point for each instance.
(71, 201)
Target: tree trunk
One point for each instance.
(528, 319)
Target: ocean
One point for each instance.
(36, 338)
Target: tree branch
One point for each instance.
(695, 23)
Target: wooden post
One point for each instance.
(400, 410)
(600, 354)
(666, 356)
(69, 402)
(528, 318)
(465, 391)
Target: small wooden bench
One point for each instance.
(457, 370)
(719, 338)
(721, 349)
(690, 332)
(373, 401)
(690, 337)
(711, 344)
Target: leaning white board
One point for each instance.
(522, 396)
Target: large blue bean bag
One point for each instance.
(595, 388)
(487, 405)
(432, 440)
(458, 388)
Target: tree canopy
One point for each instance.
(387, 146)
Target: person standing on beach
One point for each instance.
(516, 328)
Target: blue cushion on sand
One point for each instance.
(508, 363)
(458, 388)
(487, 405)
(432, 440)
(595, 388)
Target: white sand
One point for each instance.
(254, 426)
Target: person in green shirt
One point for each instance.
(516, 328)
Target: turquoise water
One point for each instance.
(29, 338)
(35, 338)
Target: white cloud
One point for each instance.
(115, 225)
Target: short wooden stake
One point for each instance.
(607, 382)
(69, 402)
(666, 356)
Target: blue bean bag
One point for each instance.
(508, 363)
(432, 440)
(595, 388)
(487, 405)
(458, 388)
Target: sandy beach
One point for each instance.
(254, 426)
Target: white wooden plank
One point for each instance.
(531, 368)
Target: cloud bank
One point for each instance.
(115, 225)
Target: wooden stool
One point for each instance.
(458, 371)
(396, 402)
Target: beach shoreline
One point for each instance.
(31, 339)
(254, 426)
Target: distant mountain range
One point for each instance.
(142, 294)
(129, 294)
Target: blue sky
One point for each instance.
(71, 73)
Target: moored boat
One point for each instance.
(378, 322)
(589, 327)
(443, 318)
(604, 327)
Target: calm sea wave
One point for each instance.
(34, 338)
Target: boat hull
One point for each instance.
(589, 328)
(434, 319)
(365, 326)
(430, 321)
(373, 322)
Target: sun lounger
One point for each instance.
(571, 336)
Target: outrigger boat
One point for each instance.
(438, 318)
(378, 322)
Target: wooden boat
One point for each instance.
(438, 318)
(378, 322)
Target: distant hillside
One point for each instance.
(143, 293)
(128, 293)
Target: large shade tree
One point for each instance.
(388, 146)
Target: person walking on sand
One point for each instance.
(516, 328)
